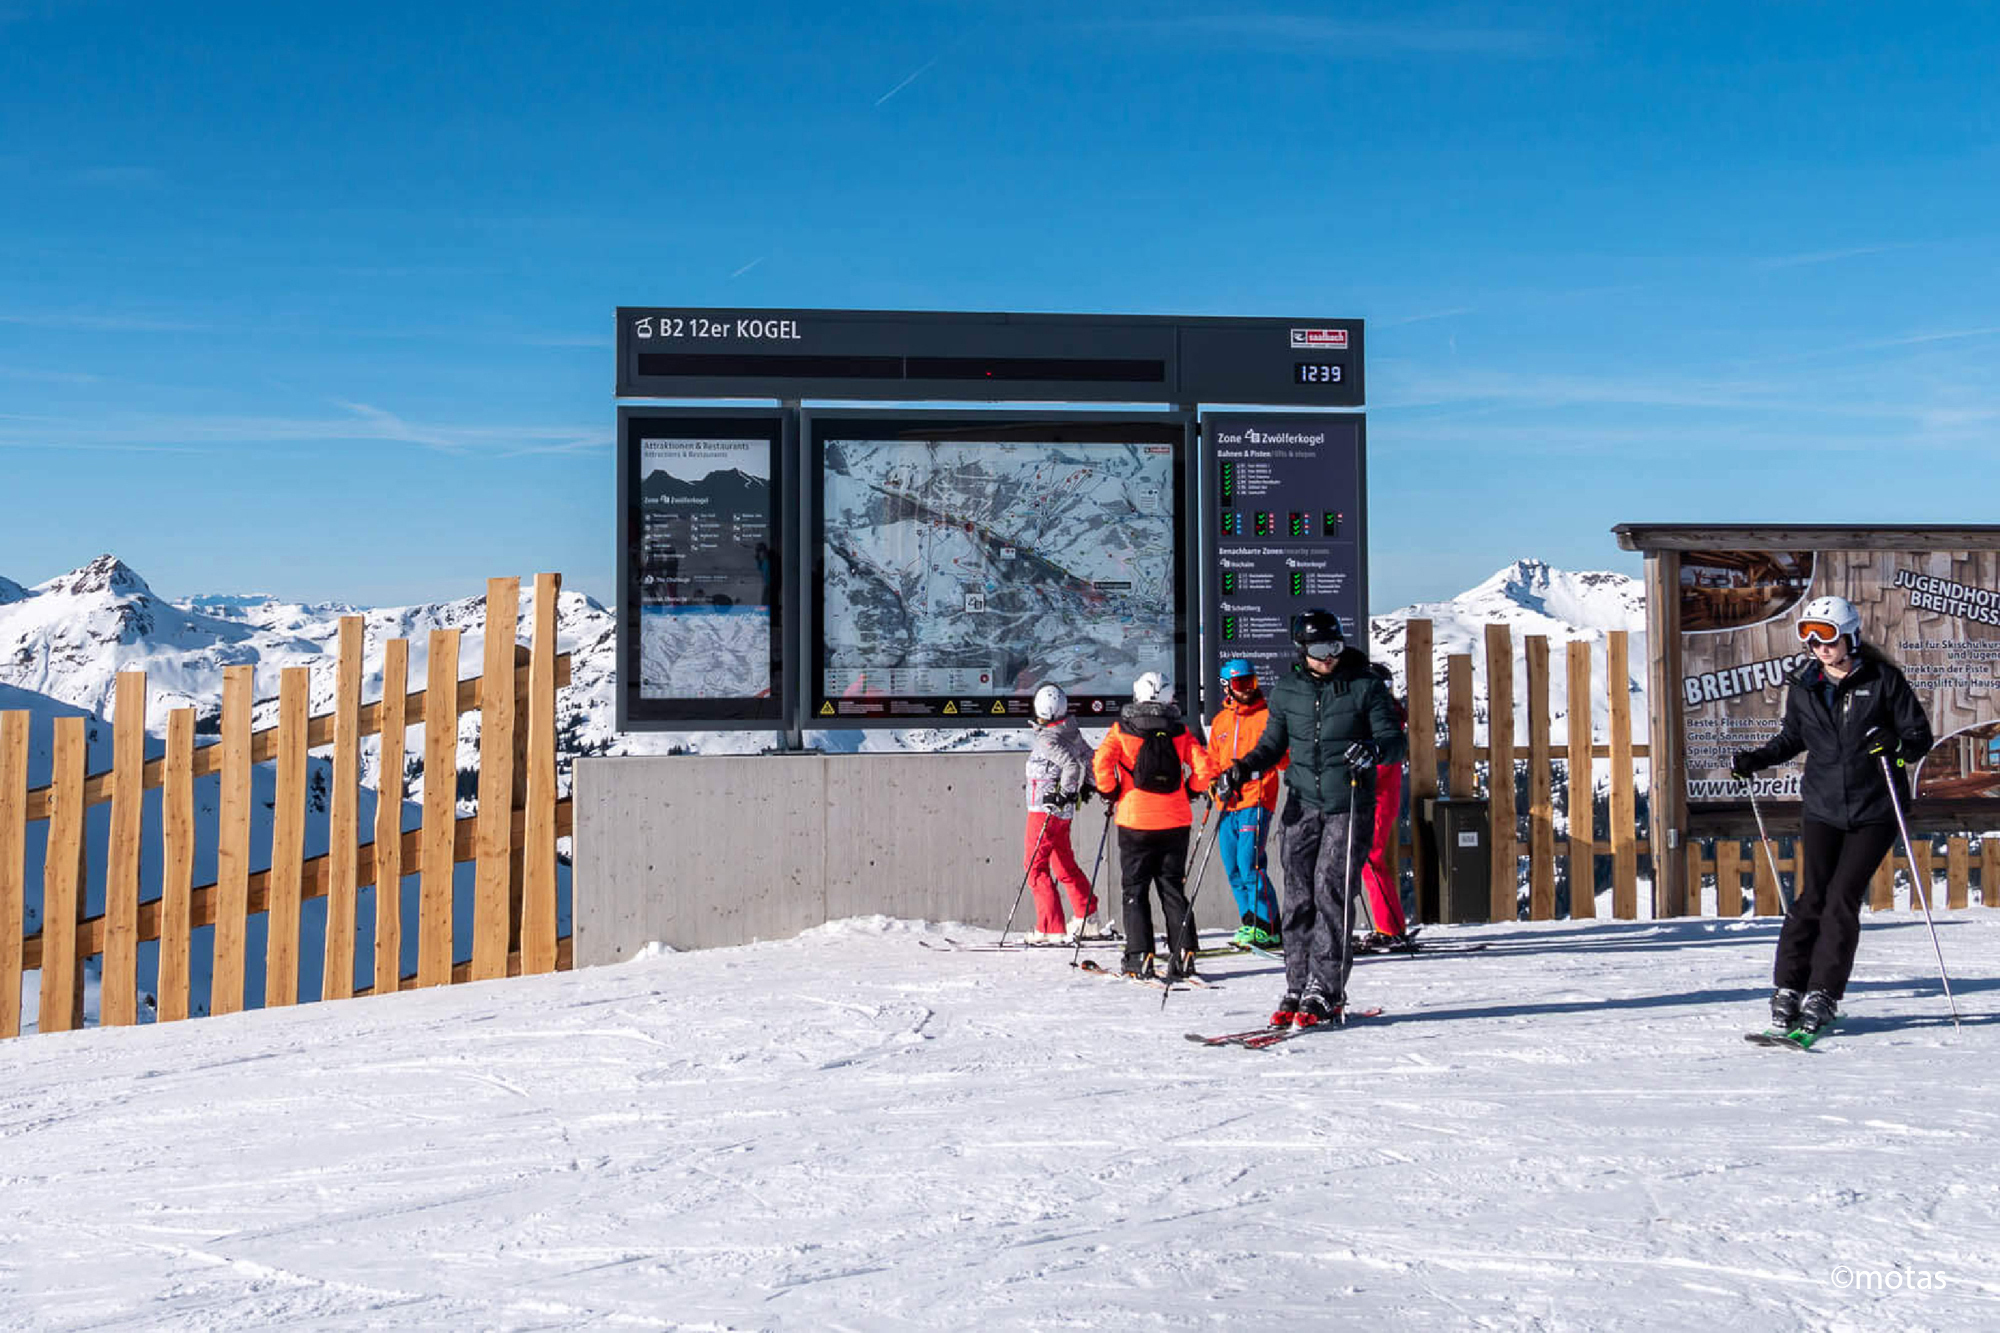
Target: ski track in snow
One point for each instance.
(847, 1130)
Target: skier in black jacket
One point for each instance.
(1338, 720)
(1847, 709)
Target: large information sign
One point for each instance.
(963, 559)
(1287, 506)
(1936, 613)
(702, 522)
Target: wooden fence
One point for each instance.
(512, 839)
(1529, 835)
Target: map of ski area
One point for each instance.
(984, 568)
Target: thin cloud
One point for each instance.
(758, 260)
(1340, 37)
(1832, 256)
(914, 76)
(1420, 319)
(118, 177)
(42, 319)
(360, 422)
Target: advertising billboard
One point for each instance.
(963, 559)
(1935, 613)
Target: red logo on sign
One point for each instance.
(1319, 338)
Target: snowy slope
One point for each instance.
(1530, 597)
(852, 1130)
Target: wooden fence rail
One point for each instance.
(511, 840)
(1556, 865)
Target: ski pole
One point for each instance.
(1110, 807)
(1917, 883)
(1347, 896)
(1764, 836)
(1040, 834)
(1201, 869)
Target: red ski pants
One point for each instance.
(1046, 845)
(1382, 876)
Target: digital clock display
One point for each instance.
(1315, 372)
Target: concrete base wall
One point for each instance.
(700, 851)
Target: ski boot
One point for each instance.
(1816, 1012)
(1287, 1010)
(1784, 1009)
(1315, 1008)
(1143, 969)
(1244, 933)
(1263, 937)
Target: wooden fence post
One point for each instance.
(1423, 780)
(1958, 862)
(1460, 773)
(14, 865)
(1694, 866)
(1582, 817)
(389, 819)
(1624, 817)
(538, 895)
(1768, 902)
(62, 880)
(118, 992)
(493, 840)
(434, 918)
(343, 818)
(232, 845)
(176, 868)
(1989, 870)
(288, 829)
(1728, 878)
(1541, 797)
(1505, 898)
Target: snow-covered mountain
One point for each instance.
(1531, 597)
(63, 643)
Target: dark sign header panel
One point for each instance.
(703, 508)
(913, 356)
(1287, 500)
(962, 559)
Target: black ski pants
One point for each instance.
(1150, 857)
(1816, 945)
(1323, 855)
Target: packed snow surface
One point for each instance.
(863, 1129)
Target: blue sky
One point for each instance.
(317, 300)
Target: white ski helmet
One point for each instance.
(1829, 618)
(1152, 688)
(1051, 704)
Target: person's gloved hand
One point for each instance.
(1745, 765)
(1360, 756)
(1879, 740)
(1084, 793)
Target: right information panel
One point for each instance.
(1935, 613)
(1291, 530)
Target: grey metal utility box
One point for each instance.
(1463, 857)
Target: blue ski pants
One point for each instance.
(1241, 839)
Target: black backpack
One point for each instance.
(1157, 766)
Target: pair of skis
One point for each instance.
(1097, 969)
(1258, 1039)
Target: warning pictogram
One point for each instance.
(826, 709)
(998, 707)
(951, 707)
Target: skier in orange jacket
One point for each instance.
(1147, 765)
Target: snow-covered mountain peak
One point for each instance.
(1595, 599)
(11, 591)
(106, 574)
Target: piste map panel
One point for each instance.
(1290, 496)
(965, 562)
(701, 627)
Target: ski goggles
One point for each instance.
(1819, 631)
(1325, 650)
(1242, 684)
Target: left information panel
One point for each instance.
(701, 625)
